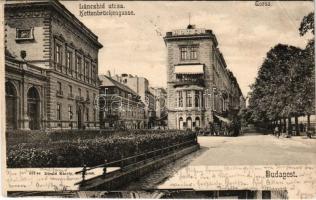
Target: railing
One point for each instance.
(67, 124)
(59, 93)
(179, 82)
(79, 98)
(12, 62)
(71, 96)
(125, 162)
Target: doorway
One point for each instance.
(189, 123)
(181, 123)
(33, 108)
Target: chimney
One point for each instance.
(108, 73)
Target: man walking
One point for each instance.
(277, 131)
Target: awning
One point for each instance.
(223, 119)
(188, 69)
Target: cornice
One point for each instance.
(54, 6)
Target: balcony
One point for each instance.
(198, 82)
(87, 100)
(79, 98)
(59, 93)
(233, 107)
(71, 96)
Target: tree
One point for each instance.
(307, 25)
(272, 95)
(284, 87)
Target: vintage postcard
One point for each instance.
(158, 99)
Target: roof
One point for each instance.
(191, 33)
(107, 81)
(189, 69)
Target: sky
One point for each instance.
(245, 33)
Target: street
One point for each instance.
(256, 149)
(251, 149)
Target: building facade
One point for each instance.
(120, 106)
(201, 92)
(141, 86)
(51, 67)
(161, 112)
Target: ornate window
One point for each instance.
(79, 92)
(183, 53)
(180, 99)
(87, 114)
(193, 53)
(188, 96)
(69, 62)
(189, 53)
(93, 74)
(78, 67)
(94, 115)
(25, 34)
(58, 58)
(70, 89)
(58, 111)
(59, 89)
(86, 71)
(59, 86)
(88, 96)
(197, 99)
(70, 113)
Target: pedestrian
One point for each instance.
(309, 134)
(301, 127)
(277, 131)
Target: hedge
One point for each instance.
(58, 150)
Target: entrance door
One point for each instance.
(33, 115)
(11, 106)
(33, 111)
(197, 122)
(189, 123)
(181, 123)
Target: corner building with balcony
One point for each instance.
(201, 92)
(51, 67)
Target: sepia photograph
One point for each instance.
(163, 194)
(158, 99)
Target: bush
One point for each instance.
(75, 149)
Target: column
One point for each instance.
(193, 98)
(24, 117)
(184, 97)
(200, 100)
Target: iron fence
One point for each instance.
(132, 160)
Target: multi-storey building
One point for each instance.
(141, 86)
(160, 95)
(51, 67)
(200, 89)
(120, 106)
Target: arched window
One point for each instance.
(197, 122)
(11, 106)
(32, 94)
(10, 89)
(189, 123)
(181, 123)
